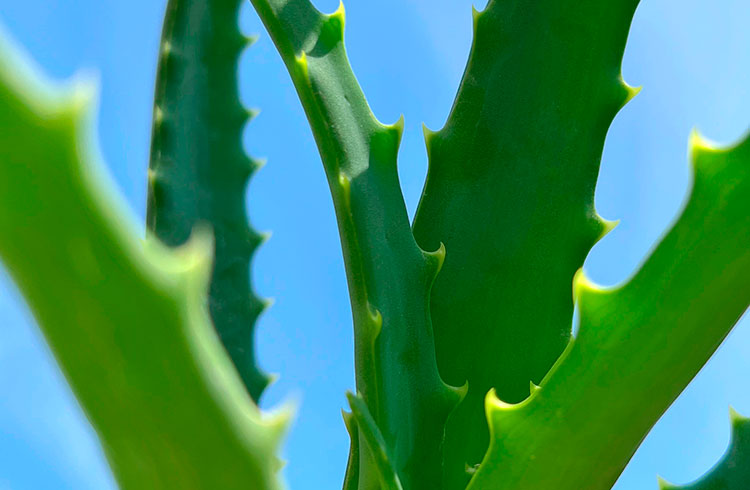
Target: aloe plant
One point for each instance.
(467, 372)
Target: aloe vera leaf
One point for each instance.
(127, 325)
(638, 345)
(199, 170)
(377, 447)
(389, 275)
(510, 191)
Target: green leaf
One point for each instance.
(199, 170)
(376, 445)
(389, 275)
(128, 326)
(510, 191)
(732, 472)
(637, 347)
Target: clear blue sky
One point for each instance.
(690, 56)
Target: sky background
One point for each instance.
(690, 56)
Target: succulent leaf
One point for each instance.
(638, 345)
(127, 325)
(732, 472)
(389, 275)
(376, 446)
(510, 191)
(199, 171)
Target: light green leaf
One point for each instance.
(128, 326)
(638, 345)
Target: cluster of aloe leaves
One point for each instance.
(467, 373)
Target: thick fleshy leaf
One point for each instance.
(637, 347)
(389, 275)
(128, 326)
(510, 191)
(199, 170)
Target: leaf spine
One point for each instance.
(397, 129)
(339, 14)
(664, 484)
(632, 91)
(582, 284)
(266, 303)
(251, 39)
(332, 29)
(459, 391)
(300, 65)
(264, 236)
(258, 163)
(252, 113)
(475, 16)
(158, 116)
(345, 186)
(606, 226)
(429, 138)
(375, 441)
(436, 259)
(533, 388)
(348, 421)
(699, 144)
(734, 417)
(375, 319)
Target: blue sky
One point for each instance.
(690, 56)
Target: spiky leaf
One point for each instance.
(127, 325)
(510, 191)
(389, 275)
(638, 345)
(199, 170)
